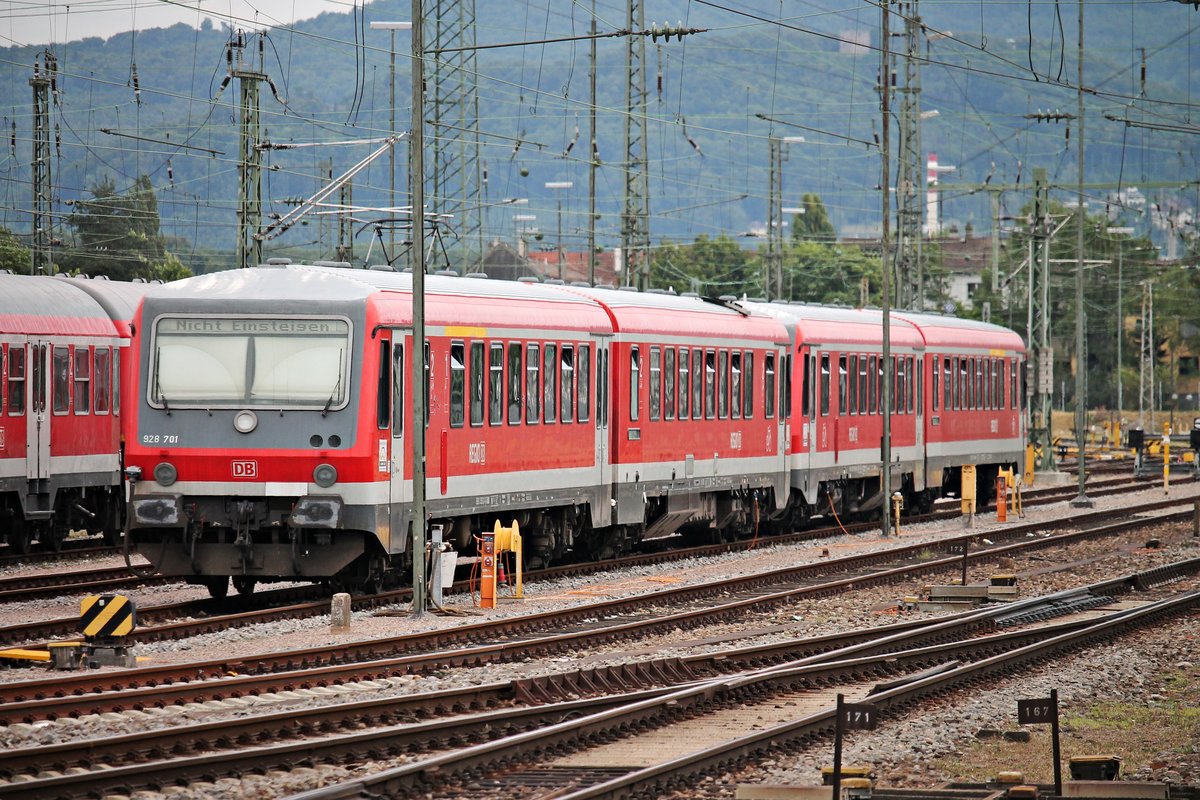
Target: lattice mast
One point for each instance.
(45, 84)
(910, 168)
(453, 106)
(635, 218)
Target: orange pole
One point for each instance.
(487, 574)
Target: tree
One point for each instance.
(707, 266)
(14, 256)
(118, 234)
(813, 225)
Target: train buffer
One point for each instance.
(104, 621)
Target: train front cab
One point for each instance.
(254, 430)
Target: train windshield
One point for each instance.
(222, 361)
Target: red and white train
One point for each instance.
(269, 419)
(61, 345)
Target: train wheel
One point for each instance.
(243, 584)
(19, 538)
(53, 538)
(217, 587)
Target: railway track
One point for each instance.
(500, 639)
(191, 618)
(875, 660)
(109, 579)
(655, 744)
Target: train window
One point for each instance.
(980, 371)
(947, 384)
(477, 366)
(584, 381)
(685, 384)
(233, 363)
(853, 387)
(601, 387)
(398, 390)
(697, 383)
(710, 384)
(383, 398)
(963, 401)
(532, 384)
(920, 386)
(999, 381)
(62, 380)
(549, 384)
(825, 387)
(842, 384)
(103, 367)
(748, 385)
(458, 376)
(785, 390)
(669, 378)
(3, 376)
(862, 385)
(735, 385)
(1024, 386)
(908, 384)
(936, 376)
(1012, 384)
(37, 369)
(83, 380)
(495, 383)
(635, 382)
(898, 384)
(515, 376)
(999, 384)
(428, 379)
(769, 386)
(116, 384)
(806, 389)
(567, 382)
(873, 385)
(723, 384)
(655, 382)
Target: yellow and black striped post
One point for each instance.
(107, 616)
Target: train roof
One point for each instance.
(942, 332)
(119, 299)
(40, 305)
(834, 325)
(301, 288)
(304, 289)
(668, 314)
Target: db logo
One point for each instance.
(245, 469)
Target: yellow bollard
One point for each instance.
(897, 504)
(509, 540)
(967, 492)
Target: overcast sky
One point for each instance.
(26, 22)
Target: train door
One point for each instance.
(602, 511)
(37, 425)
(400, 490)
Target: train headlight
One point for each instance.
(325, 475)
(165, 474)
(245, 421)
